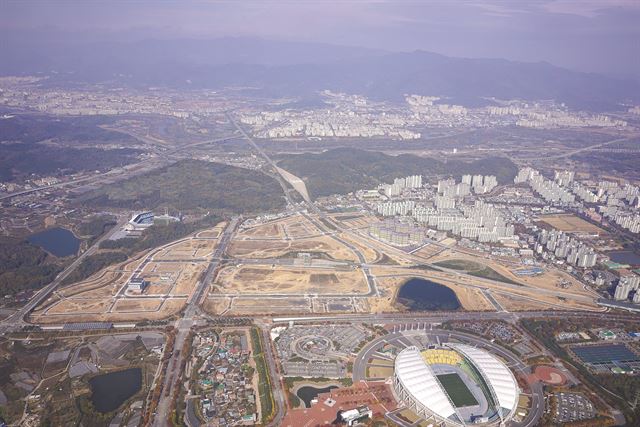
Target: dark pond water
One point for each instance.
(308, 393)
(111, 390)
(59, 241)
(425, 295)
(625, 257)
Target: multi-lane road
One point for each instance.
(183, 327)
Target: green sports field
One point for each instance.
(457, 390)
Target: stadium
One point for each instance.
(455, 385)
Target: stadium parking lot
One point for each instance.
(573, 407)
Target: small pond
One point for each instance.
(109, 391)
(58, 241)
(308, 393)
(625, 257)
(425, 295)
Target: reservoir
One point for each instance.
(625, 257)
(58, 241)
(308, 393)
(425, 295)
(111, 390)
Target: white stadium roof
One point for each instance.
(419, 381)
(495, 373)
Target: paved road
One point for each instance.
(17, 320)
(183, 326)
(580, 150)
(462, 276)
(435, 317)
(274, 376)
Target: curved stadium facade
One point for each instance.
(456, 385)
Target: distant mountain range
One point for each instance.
(275, 68)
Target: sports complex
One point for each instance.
(455, 385)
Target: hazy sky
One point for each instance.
(589, 35)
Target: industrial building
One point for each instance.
(137, 285)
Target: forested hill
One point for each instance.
(24, 266)
(344, 170)
(192, 185)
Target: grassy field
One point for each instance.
(475, 269)
(489, 273)
(457, 390)
(460, 264)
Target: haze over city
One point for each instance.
(591, 35)
(306, 213)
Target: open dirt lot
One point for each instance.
(275, 249)
(299, 227)
(169, 271)
(571, 224)
(288, 280)
(250, 306)
(379, 372)
(369, 254)
(146, 304)
(271, 230)
(468, 290)
(429, 251)
(188, 278)
(186, 250)
(292, 227)
(356, 221)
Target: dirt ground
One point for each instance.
(275, 248)
(379, 372)
(146, 304)
(571, 224)
(170, 272)
(186, 283)
(272, 230)
(189, 249)
(288, 280)
(369, 254)
(255, 306)
(552, 278)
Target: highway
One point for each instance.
(443, 316)
(165, 154)
(17, 320)
(580, 150)
(183, 327)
